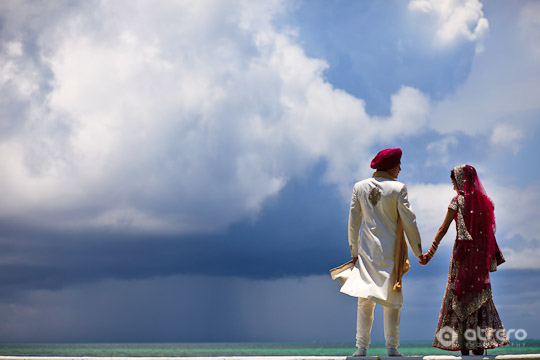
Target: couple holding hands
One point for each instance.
(379, 216)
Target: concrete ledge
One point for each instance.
(426, 357)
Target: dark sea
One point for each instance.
(239, 349)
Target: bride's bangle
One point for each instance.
(432, 250)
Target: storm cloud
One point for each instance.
(214, 144)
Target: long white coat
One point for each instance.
(375, 205)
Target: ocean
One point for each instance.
(239, 349)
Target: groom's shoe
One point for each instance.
(394, 352)
(360, 352)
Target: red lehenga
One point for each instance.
(468, 319)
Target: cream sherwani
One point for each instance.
(375, 206)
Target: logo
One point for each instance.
(447, 336)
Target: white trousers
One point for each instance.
(364, 322)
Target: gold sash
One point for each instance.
(401, 253)
(401, 256)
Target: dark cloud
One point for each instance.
(182, 309)
(262, 280)
(156, 181)
(220, 308)
(301, 232)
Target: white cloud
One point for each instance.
(521, 259)
(453, 21)
(14, 48)
(503, 84)
(439, 151)
(516, 211)
(16, 72)
(507, 135)
(529, 23)
(179, 117)
(430, 204)
(332, 124)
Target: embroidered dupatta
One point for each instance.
(477, 252)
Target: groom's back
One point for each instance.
(378, 198)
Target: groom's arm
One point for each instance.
(408, 218)
(355, 221)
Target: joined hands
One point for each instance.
(424, 259)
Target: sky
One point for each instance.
(181, 171)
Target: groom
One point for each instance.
(378, 248)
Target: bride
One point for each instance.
(468, 319)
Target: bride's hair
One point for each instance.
(452, 176)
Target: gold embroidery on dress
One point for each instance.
(496, 261)
(374, 196)
(453, 204)
(462, 232)
(476, 315)
(493, 266)
(459, 175)
(480, 314)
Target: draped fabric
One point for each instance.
(481, 322)
(477, 251)
(468, 304)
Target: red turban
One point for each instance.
(386, 159)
